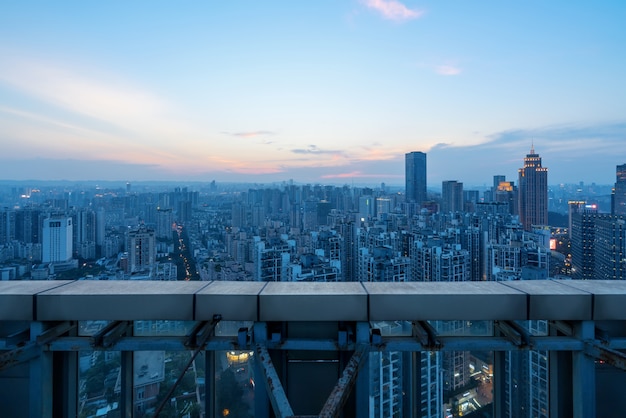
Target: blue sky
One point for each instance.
(324, 91)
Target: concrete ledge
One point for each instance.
(235, 301)
(553, 299)
(17, 297)
(609, 297)
(290, 301)
(445, 301)
(119, 300)
(310, 301)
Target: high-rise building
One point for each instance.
(598, 246)
(610, 248)
(57, 240)
(618, 199)
(415, 176)
(451, 196)
(533, 192)
(164, 224)
(7, 225)
(141, 248)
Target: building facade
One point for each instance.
(533, 192)
(415, 173)
(618, 200)
(57, 240)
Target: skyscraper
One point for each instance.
(533, 192)
(618, 201)
(141, 246)
(415, 176)
(451, 196)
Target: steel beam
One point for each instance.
(110, 334)
(55, 332)
(514, 332)
(19, 355)
(207, 332)
(17, 338)
(275, 391)
(562, 326)
(420, 333)
(341, 391)
(584, 374)
(192, 336)
(607, 355)
(451, 343)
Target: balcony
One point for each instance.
(308, 341)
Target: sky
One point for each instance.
(315, 91)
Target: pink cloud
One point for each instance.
(393, 10)
(357, 174)
(448, 70)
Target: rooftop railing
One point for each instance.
(40, 336)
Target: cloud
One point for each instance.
(572, 152)
(448, 70)
(250, 134)
(313, 149)
(359, 174)
(393, 10)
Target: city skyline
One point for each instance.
(324, 92)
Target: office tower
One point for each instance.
(533, 192)
(415, 176)
(451, 196)
(141, 248)
(618, 199)
(57, 240)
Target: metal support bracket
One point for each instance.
(514, 332)
(19, 338)
(426, 335)
(193, 335)
(563, 327)
(110, 334)
(55, 332)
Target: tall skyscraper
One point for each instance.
(451, 196)
(533, 192)
(618, 201)
(415, 176)
(57, 240)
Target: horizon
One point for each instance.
(319, 93)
